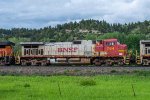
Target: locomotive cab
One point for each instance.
(110, 48)
(110, 51)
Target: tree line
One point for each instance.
(128, 33)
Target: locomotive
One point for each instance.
(100, 52)
(6, 53)
(144, 52)
(108, 52)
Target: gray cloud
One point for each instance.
(40, 13)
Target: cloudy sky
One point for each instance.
(41, 13)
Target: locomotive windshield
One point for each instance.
(110, 43)
(118, 43)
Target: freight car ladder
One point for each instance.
(138, 59)
(127, 58)
(17, 58)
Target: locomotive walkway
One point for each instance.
(68, 70)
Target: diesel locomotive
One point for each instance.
(6, 53)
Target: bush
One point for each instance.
(26, 85)
(142, 73)
(87, 82)
(113, 71)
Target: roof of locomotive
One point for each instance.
(145, 41)
(32, 43)
(69, 43)
(109, 40)
(51, 43)
(7, 43)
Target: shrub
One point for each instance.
(87, 82)
(142, 73)
(26, 85)
(113, 71)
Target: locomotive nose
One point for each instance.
(123, 46)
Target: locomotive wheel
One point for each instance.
(43, 64)
(23, 63)
(120, 63)
(97, 62)
(29, 63)
(109, 63)
(33, 63)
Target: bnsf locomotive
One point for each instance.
(103, 52)
(108, 51)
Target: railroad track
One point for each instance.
(68, 70)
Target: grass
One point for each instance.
(104, 87)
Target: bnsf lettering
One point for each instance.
(67, 49)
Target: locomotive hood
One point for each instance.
(122, 46)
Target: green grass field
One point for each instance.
(104, 87)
